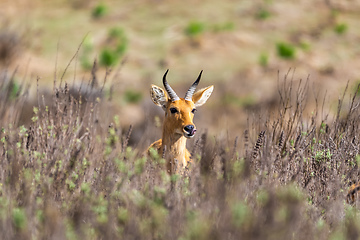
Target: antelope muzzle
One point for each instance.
(189, 131)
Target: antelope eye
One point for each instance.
(173, 110)
(194, 110)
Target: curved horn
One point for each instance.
(190, 92)
(169, 90)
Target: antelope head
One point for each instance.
(179, 112)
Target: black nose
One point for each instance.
(189, 129)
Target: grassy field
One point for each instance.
(241, 46)
(73, 172)
(277, 146)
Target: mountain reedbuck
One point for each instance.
(178, 124)
(353, 194)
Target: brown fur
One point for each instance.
(173, 141)
(353, 192)
(172, 145)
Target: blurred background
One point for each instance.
(244, 47)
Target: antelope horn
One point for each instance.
(190, 92)
(169, 90)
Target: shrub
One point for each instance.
(99, 10)
(71, 173)
(19, 218)
(285, 50)
(341, 28)
(194, 28)
(118, 35)
(262, 14)
(108, 57)
(117, 44)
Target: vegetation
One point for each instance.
(262, 14)
(194, 28)
(132, 96)
(99, 10)
(341, 28)
(111, 51)
(264, 59)
(85, 57)
(73, 170)
(244, 101)
(285, 50)
(305, 45)
(115, 47)
(67, 175)
(119, 37)
(108, 57)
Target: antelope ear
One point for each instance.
(158, 96)
(201, 96)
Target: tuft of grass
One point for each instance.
(117, 45)
(341, 28)
(132, 96)
(264, 59)
(262, 14)
(194, 28)
(285, 50)
(19, 218)
(99, 10)
(108, 57)
(121, 42)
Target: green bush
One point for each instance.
(99, 11)
(19, 218)
(341, 28)
(117, 46)
(110, 54)
(120, 38)
(108, 57)
(194, 28)
(262, 14)
(285, 50)
(116, 32)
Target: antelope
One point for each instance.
(178, 125)
(352, 193)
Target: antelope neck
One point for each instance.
(175, 145)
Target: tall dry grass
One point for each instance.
(70, 175)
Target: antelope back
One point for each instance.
(353, 193)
